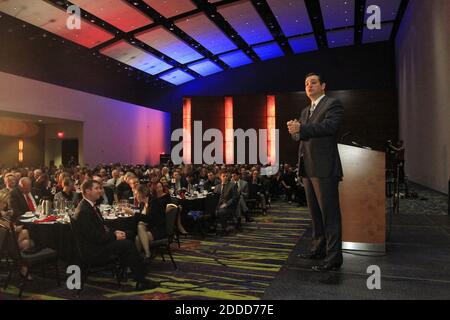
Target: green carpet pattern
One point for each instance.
(238, 266)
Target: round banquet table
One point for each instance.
(207, 205)
(58, 236)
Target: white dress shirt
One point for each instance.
(315, 103)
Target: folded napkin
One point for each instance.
(46, 219)
(195, 214)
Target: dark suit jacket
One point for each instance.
(231, 195)
(18, 203)
(318, 150)
(208, 184)
(91, 233)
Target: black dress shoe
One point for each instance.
(248, 219)
(311, 256)
(146, 285)
(326, 267)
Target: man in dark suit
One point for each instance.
(321, 170)
(242, 189)
(22, 200)
(228, 199)
(211, 182)
(98, 243)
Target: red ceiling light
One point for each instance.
(60, 135)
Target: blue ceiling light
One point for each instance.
(341, 38)
(268, 51)
(244, 18)
(200, 28)
(292, 16)
(176, 77)
(167, 43)
(377, 35)
(338, 13)
(205, 67)
(303, 44)
(235, 59)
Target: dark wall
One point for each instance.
(359, 67)
(370, 117)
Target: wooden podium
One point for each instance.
(362, 199)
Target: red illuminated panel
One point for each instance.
(187, 121)
(120, 14)
(271, 139)
(171, 8)
(229, 133)
(53, 19)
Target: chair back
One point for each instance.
(171, 219)
(4, 230)
(75, 234)
(10, 236)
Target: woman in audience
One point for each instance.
(151, 220)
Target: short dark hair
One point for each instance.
(88, 184)
(321, 79)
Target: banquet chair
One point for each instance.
(32, 260)
(4, 257)
(118, 271)
(163, 245)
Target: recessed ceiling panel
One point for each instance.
(244, 18)
(338, 13)
(167, 43)
(235, 59)
(53, 19)
(292, 16)
(268, 51)
(120, 14)
(206, 33)
(135, 57)
(341, 38)
(388, 8)
(205, 67)
(177, 77)
(171, 8)
(377, 35)
(303, 44)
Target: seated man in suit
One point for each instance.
(21, 199)
(178, 182)
(228, 200)
(107, 196)
(242, 188)
(211, 182)
(98, 243)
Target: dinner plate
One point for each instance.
(111, 218)
(28, 214)
(28, 220)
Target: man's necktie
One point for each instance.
(222, 194)
(30, 203)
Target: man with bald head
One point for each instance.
(21, 199)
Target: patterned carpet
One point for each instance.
(429, 202)
(238, 266)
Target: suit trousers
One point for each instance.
(322, 195)
(128, 255)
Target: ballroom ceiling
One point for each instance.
(176, 41)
